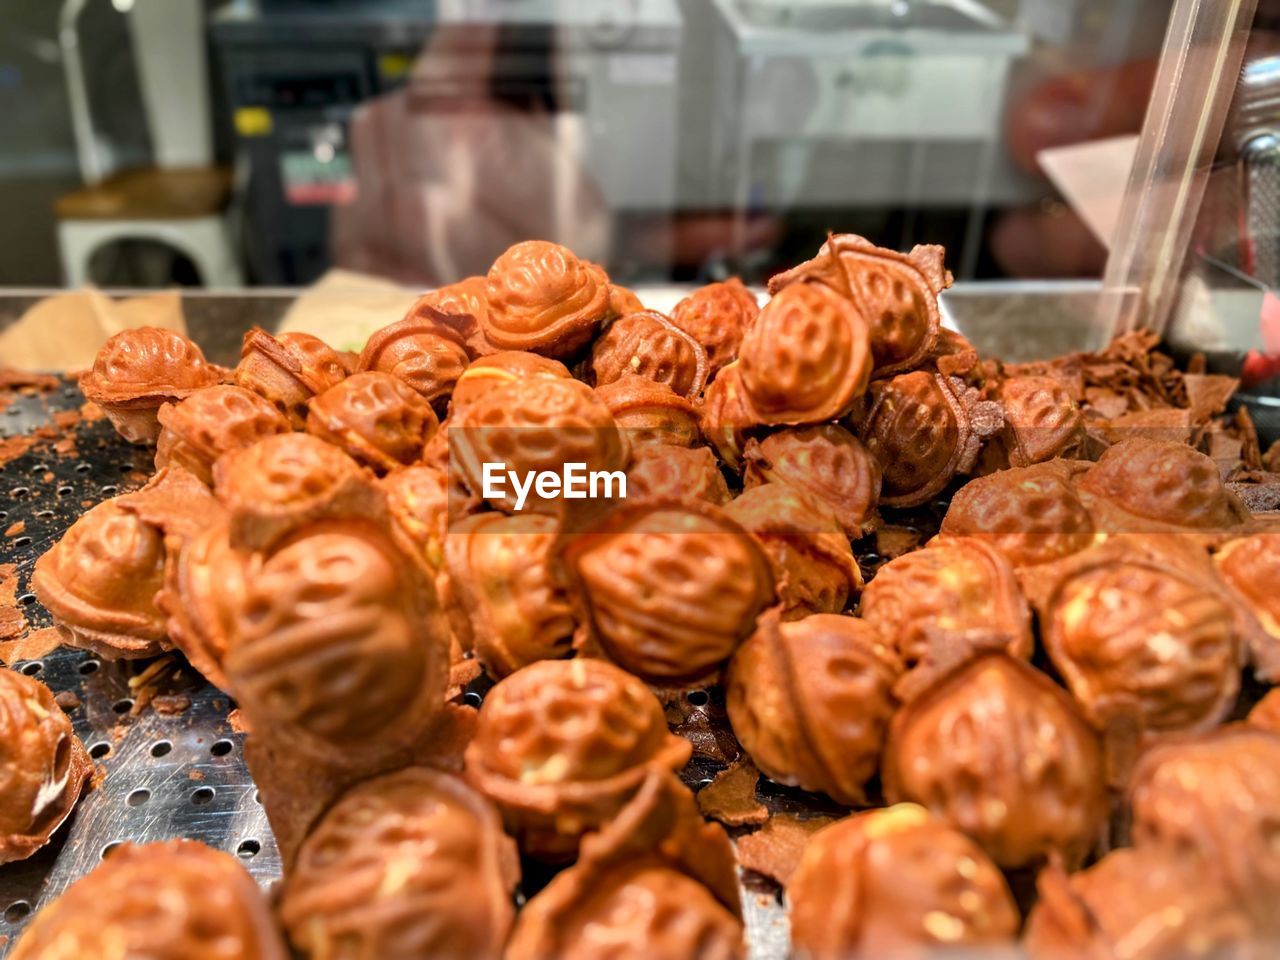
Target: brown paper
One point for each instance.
(63, 332)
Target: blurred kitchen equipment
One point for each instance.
(181, 201)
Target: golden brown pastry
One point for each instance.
(664, 471)
(1041, 422)
(427, 350)
(896, 292)
(43, 766)
(499, 568)
(175, 900)
(1149, 904)
(339, 659)
(649, 412)
(647, 344)
(810, 701)
(668, 589)
(1266, 712)
(727, 417)
(1251, 568)
(1141, 629)
(562, 745)
(826, 461)
(623, 300)
(953, 584)
(100, 582)
(544, 299)
(897, 883)
(412, 865)
(496, 369)
(812, 561)
(466, 297)
(654, 882)
(289, 370)
(139, 370)
(923, 429)
(806, 358)
(717, 316)
(210, 422)
(1032, 515)
(1140, 486)
(999, 751)
(533, 425)
(378, 419)
(1216, 795)
(282, 483)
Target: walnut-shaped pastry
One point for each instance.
(427, 350)
(897, 883)
(466, 298)
(212, 421)
(1251, 568)
(806, 358)
(669, 589)
(412, 865)
(100, 583)
(1032, 515)
(827, 461)
(999, 751)
(924, 429)
(377, 418)
(810, 701)
(1158, 486)
(1140, 628)
(1216, 795)
(717, 316)
(164, 901)
(43, 766)
(727, 417)
(496, 369)
(656, 881)
(562, 745)
(812, 561)
(1041, 422)
(896, 292)
(1148, 904)
(667, 472)
(1266, 712)
(289, 370)
(139, 370)
(499, 567)
(650, 413)
(204, 582)
(544, 299)
(647, 344)
(340, 659)
(623, 300)
(531, 426)
(954, 584)
(285, 482)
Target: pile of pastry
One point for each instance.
(1043, 689)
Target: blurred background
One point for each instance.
(158, 142)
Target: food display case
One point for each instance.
(932, 618)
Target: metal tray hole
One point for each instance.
(704, 782)
(699, 698)
(88, 667)
(100, 749)
(22, 541)
(110, 490)
(27, 599)
(221, 748)
(161, 748)
(123, 706)
(17, 911)
(32, 668)
(257, 797)
(248, 849)
(19, 491)
(44, 514)
(83, 467)
(66, 491)
(111, 848)
(202, 796)
(472, 699)
(138, 797)
(4, 514)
